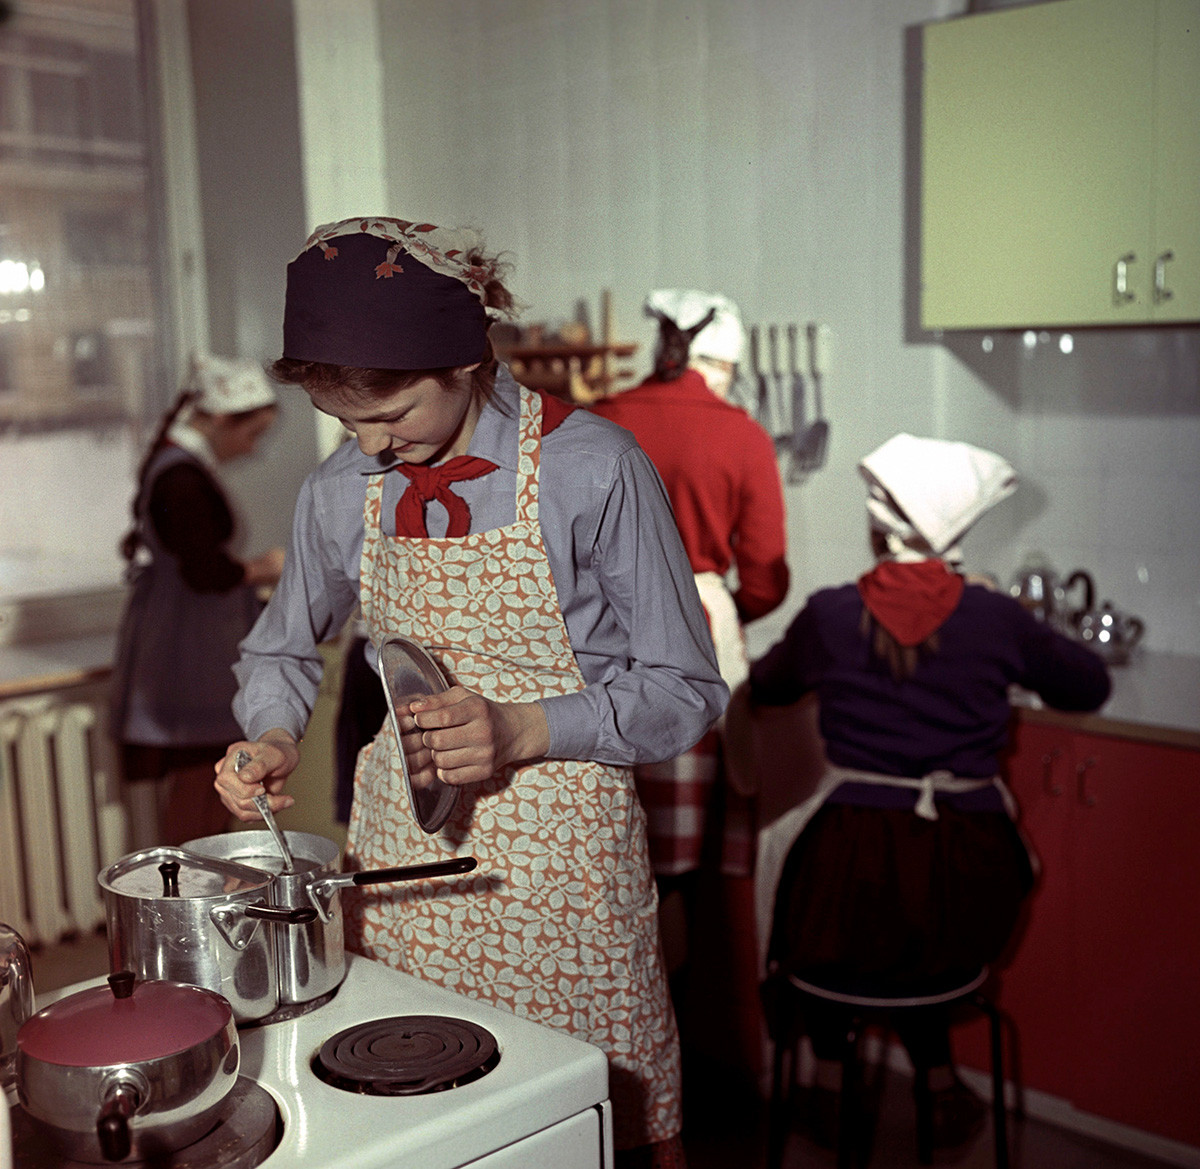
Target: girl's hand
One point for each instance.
(272, 759)
(265, 569)
(466, 738)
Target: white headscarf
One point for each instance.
(228, 385)
(925, 493)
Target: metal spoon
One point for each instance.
(264, 808)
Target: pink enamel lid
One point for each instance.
(125, 1022)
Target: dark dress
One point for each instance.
(872, 891)
(187, 611)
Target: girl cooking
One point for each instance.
(532, 549)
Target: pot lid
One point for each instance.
(164, 873)
(124, 1022)
(408, 672)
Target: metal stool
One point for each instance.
(788, 996)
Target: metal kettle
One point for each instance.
(1048, 598)
(1108, 631)
(16, 999)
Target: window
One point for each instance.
(79, 321)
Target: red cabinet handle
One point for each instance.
(1081, 792)
(1048, 784)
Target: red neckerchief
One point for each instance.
(554, 410)
(426, 483)
(911, 600)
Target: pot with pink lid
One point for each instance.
(127, 1071)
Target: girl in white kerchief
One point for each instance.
(191, 599)
(906, 867)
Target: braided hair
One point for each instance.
(674, 345)
(132, 539)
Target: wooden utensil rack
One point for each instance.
(579, 372)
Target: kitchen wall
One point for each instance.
(767, 150)
(249, 161)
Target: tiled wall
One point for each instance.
(765, 150)
(1110, 437)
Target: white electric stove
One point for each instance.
(544, 1103)
(523, 1097)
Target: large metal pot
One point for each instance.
(178, 915)
(129, 1070)
(310, 958)
(16, 999)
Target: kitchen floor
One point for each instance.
(725, 1121)
(725, 1128)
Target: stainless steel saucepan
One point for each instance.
(206, 921)
(310, 958)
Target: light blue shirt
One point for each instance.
(625, 588)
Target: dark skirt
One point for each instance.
(873, 896)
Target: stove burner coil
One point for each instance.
(407, 1055)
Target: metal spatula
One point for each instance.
(810, 454)
(264, 810)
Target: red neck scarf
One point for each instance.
(426, 483)
(911, 600)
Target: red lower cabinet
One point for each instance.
(1104, 982)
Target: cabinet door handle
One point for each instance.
(1161, 291)
(1048, 784)
(1081, 792)
(1121, 293)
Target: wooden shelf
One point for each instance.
(580, 373)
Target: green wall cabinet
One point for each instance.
(1060, 166)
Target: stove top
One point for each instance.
(407, 1055)
(540, 1077)
(538, 1082)
(243, 1138)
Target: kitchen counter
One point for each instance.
(1155, 697)
(51, 665)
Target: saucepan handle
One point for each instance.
(450, 868)
(324, 886)
(301, 915)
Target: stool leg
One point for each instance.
(777, 1120)
(783, 1081)
(999, 1111)
(848, 1120)
(923, 1098)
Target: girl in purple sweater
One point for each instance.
(906, 865)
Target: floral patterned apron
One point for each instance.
(559, 922)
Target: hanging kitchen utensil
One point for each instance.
(778, 415)
(264, 809)
(743, 390)
(816, 439)
(797, 467)
(762, 390)
(408, 673)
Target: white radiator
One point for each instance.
(61, 821)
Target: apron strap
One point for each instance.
(726, 629)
